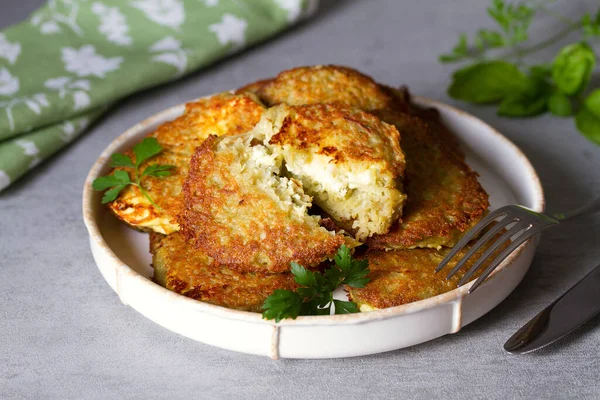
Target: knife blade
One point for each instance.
(571, 310)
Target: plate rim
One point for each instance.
(321, 320)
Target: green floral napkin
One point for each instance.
(65, 65)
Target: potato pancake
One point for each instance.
(431, 116)
(347, 159)
(242, 212)
(223, 114)
(445, 198)
(403, 276)
(326, 84)
(182, 268)
(253, 87)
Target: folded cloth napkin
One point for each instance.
(66, 64)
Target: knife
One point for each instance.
(567, 313)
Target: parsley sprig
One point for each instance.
(315, 294)
(120, 179)
(497, 73)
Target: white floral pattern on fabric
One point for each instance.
(35, 103)
(73, 59)
(9, 84)
(169, 13)
(70, 131)
(85, 62)
(9, 51)
(58, 12)
(4, 180)
(231, 29)
(78, 88)
(113, 24)
(29, 149)
(293, 7)
(170, 52)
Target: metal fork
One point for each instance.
(525, 224)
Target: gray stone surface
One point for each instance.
(64, 334)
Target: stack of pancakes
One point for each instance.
(289, 169)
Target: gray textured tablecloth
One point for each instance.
(65, 334)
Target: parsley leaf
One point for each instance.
(592, 102)
(588, 124)
(488, 39)
(572, 68)
(282, 304)
(158, 171)
(486, 82)
(531, 101)
(147, 148)
(353, 271)
(121, 160)
(588, 117)
(513, 19)
(560, 105)
(556, 87)
(591, 26)
(345, 307)
(460, 50)
(302, 276)
(112, 194)
(120, 179)
(315, 294)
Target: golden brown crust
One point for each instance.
(347, 159)
(403, 276)
(253, 87)
(431, 116)
(430, 149)
(223, 114)
(182, 268)
(343, 134)
(327, 84)
(239, 222)
(444, 196)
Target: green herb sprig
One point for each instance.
(497, 73)
(315, 294)
(120, 179)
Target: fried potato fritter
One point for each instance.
(429, 115)
(244, 214)
(445, 198)
(182, 268)
(347, 159)
(253, 87)
(223, 114)
(403, 276)
(326, 84)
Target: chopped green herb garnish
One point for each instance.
(120, 179)
(315, 294)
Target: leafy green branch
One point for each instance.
(559, 87)
(120, 179)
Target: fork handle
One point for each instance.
(584, 210)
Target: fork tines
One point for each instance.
(525, 223)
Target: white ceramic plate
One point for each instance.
(122, 256)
